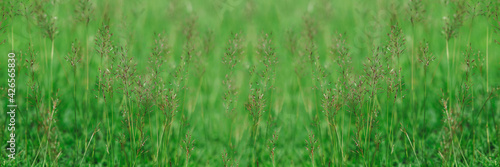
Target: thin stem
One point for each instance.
(312, 161)
(487, 42)
(425, 120)
(448, 59)
(112, 131)
(88, 78)
(187, 160)
(51, 67)
(76, 111)
(86, 148)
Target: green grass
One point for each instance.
(253, 83)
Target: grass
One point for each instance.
(253, 83)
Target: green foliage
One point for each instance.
(253, 82)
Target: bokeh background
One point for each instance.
(441, 113)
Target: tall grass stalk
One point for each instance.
(425, 58)
(188, 147)
(342, 57)
(450, 30)
(90, 141)
(271, 147)
(34, 94)
(84, 11)
(74, 58)
(311, 146)
(233, 53)
(46, 22)
(487, 61)
(411, 144)
(190, 55)
(260, 91)
(158, 57)
(105, 49)
(396, 47)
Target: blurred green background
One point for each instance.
(293, 107)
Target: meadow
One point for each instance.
(251, 82)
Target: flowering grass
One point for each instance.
(253, 83)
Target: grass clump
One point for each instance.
(107, 83)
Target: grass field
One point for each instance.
(251, 82)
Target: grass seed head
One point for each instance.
(103, 42)
(417, 11)
(45, 21)
(84, 10)
(454, 22)
(74, 57)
